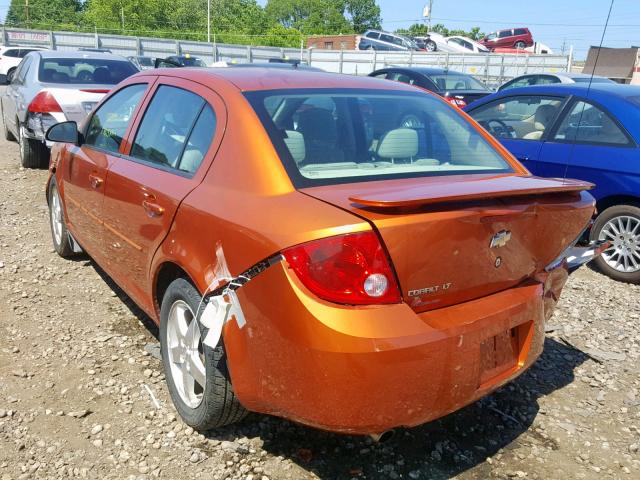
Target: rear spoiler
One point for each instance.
(467, 190)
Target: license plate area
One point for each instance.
(499, 354)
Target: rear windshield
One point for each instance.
(456, 81)
(84, 71)
(192, 62)
(145, 61)
(342, 136)
(592, 80)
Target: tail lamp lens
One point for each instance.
(44, 102)
(350, 269)
(458, 102)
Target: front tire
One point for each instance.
(430, 46)
(59, 233)
(620, 225)
(196, 374)
(520, 45)
(33, 153)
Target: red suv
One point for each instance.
(509, 38)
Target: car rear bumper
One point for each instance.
(369, 369)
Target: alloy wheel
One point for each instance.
(624, 234)
(56, 217)
(186, 354)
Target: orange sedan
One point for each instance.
(345, 252)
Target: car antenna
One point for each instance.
(593, 71)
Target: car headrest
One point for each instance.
(318, 125)
(101, 75)
(295, 143)
(398, 143)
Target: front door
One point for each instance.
(172, 147)
(520, 123)
(85, 170)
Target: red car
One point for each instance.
(510, 38)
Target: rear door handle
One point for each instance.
(96, 181)
(149, 205)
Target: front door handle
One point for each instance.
(149, 205)
(95, 180)
(524, 158)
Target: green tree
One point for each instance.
(43, 13)
(420, 30)
(311, 17)
(363, 14)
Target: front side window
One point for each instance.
(84, 71)
(335, 136)
(587, 123)
(492, 36)
(110, 122)
(165, 128)
(505, 33)
(401, 77)
(374, 35)
(525, 117)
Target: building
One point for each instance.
(619, 64)
(333, 42)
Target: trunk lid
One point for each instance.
(452, 239)
(78, 100)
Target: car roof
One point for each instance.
(595, 90)
(268, 78)
(79, 54)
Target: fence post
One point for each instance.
(52, 41)
(570, 60)
(97, 39)
(4, 36)
(138, 46)
(486, 68)
(446, 61)
(215, 53)
(526, 65)
(341, 60)
(249, 54)
(375, 59)
(309, 50)
(501, 71)
(463, 59)
(282, 55)
(177, 47)
(411, 58)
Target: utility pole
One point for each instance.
(208, 21)
(426, 13)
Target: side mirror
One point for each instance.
(9, 77)
(65, 132)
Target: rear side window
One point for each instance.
(505, 33)
(84, 71)
(520, 31)
(167, 130)
(587, 123)
(109, 124)
(327, 137)
(14, 52)
(24, 51)
(525, 117)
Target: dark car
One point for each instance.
(588, 132)
(509, 38)
(459, 89)
(185, 60)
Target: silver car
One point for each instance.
(50, 87)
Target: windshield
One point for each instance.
(145, 61)
(457, 81)
(192, 62)
(339, 136)
(84, 71)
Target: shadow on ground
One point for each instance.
(438, 450)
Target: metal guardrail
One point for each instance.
(492, 68)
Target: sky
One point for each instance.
(575, 22)
(554, 22)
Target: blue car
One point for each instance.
(573, 131)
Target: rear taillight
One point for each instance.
(44, 102)
(458, 102)
(350, 269)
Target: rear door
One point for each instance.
(84, 170)
(520, 123)
(167, 156)
(590, 144)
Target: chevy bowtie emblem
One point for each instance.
(500, 239)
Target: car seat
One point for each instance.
(320, 132)
(541, 120)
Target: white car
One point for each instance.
(465, 45)
(10, 58)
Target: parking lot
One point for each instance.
(82, 393)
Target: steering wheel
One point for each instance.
(502, 130)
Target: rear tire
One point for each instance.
(59, 233)
(201, 407)
(33, 153)
(430, 46)
(520, 45)
(619, 224)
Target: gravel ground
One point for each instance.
(83, 395)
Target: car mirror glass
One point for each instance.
(65, 132)
(9, 77)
